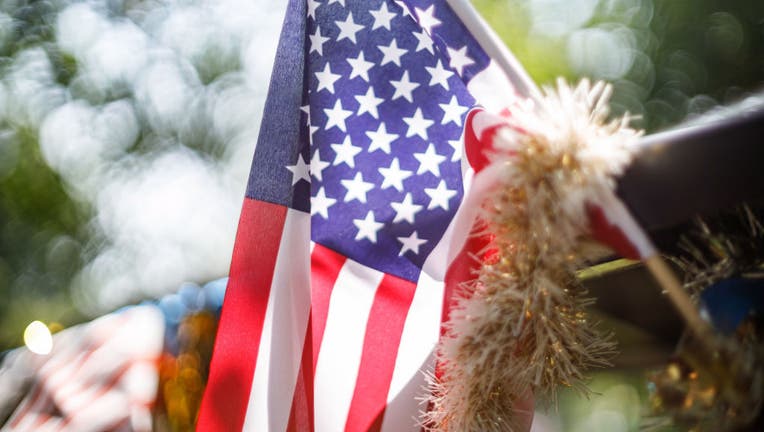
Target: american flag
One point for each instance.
(99, 376)
(353, 229)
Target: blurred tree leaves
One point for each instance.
(540, 55)
(40, 224)
(39, 250)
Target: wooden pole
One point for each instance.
(681, 300)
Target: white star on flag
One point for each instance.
(394, 176)
(326, 79)
(367, 227)
(320, 203)
(368, 103)
(345, 152)
(312, 6)
(348, 28)
(459, 59)
(360, 67)
(411, 243)
(427, 18)
(429, 161)
(439, 75)
(317, 42)
(452, 112)
(424, 42)
(391, 53)
(382, 17)
(380, 139)
(317, 166)
(457, 145)
(404, 87)
(336, 116)
(356, 188)
(418, 124)
(405, 210)
(439, 196)
(299, 171)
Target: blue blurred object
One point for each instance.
(191, 296)
(173, 308)
(214, 292)
(731, 301)
(190, 299)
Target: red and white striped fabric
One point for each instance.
(314, 337)
(99, 376)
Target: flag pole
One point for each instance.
(679, 297)
(646, 252)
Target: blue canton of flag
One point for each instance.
(386, 105)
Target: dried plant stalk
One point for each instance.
(520, 327)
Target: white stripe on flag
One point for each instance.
(103, 413)
(286, 320)
(492, 89)
(415, 357)
(342, 345)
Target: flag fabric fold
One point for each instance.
(352, 231)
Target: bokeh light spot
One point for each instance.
(724, 35)
(554, 18)
(37, 338)
(600, 52)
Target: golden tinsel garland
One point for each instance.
(520, 328)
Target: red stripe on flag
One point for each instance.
(224, 405)
(474, 146)
(301, 413)
(380, 349)
(325, 267)
(609, 233)
(464, 267)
